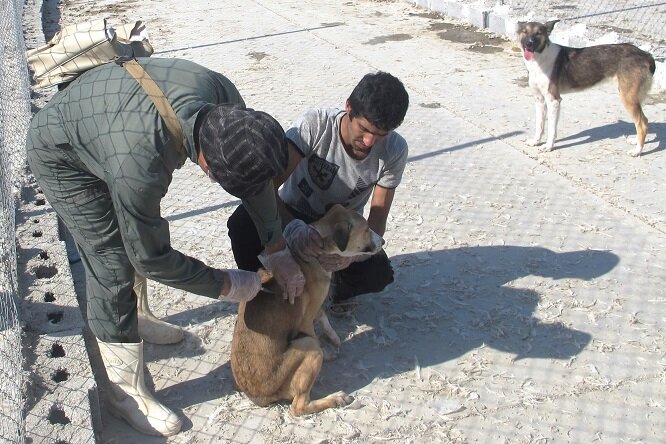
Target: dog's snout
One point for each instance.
(376, 243)
(530, 44)
(375, 246)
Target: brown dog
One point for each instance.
(275, 353)
(554, 69)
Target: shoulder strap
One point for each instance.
(159, 99)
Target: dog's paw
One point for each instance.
(631, 140)
(330, 353)
(341, 399)
(547, 147)
(636, 152)
(533, 142)
(333, 338)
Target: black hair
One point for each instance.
(381, 98)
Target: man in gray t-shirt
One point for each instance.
(328, 174)
(339, 156)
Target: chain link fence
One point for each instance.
(639, 22)
(14, 120)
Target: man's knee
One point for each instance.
(245, 242)
(370, 276)
(112, 314)
(237, 222)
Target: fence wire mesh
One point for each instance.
(14, 118)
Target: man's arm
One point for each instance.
(380, 205)
(269, 214)
(277, 242)
(295, 158)
(263, 209)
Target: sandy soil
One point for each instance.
(528, 304)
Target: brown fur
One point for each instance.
(555, 69)
(275, 353)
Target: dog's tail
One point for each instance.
(647, 83)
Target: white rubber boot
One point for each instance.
(129, 398)
(151, 329)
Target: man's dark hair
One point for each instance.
(381, 98)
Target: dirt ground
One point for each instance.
(528, 302)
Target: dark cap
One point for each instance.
(244, 148)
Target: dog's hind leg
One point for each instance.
(304, 378)
(303, 405)
(633, 85)
(633, 106)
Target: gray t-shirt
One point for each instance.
(328, 175)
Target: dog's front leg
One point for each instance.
(327, 329)
(540, 108)
(553, 105)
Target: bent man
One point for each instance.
(104, 159)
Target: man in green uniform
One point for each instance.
(104, 159)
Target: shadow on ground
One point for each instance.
(442, 305)
(621, 129)
(447, 303)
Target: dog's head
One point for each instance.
(345, 232)
(534, 37)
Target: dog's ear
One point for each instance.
(550, 25)
(518, 30)
(340, 234)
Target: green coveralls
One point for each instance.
(104, 160)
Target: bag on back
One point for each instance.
(80, 47)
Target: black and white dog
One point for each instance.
(554, 69)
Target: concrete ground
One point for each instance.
(529, 301)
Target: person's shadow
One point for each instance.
(442, 305)
(446, 303)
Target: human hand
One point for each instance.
(243, 286)
(335, 262)
(286, 272)
(303, 240)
